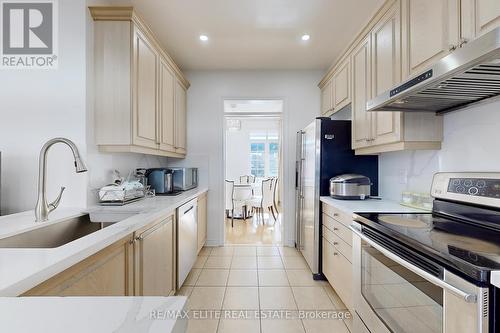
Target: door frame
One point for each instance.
(283, 167)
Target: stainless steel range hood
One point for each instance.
(471, 74)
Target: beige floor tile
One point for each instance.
(269, 263)
(241, 298)
(286, 251)
(223, 251)
(268, 251)
(276, 298)
(245, 251)
(244, 263)
(213, 277)
(205, 251)
(273, 277)
(303, 278)
(312, 298)
(294, 263)
(202, 326)
(184, 291)
(192, 277)
(200, 262)
(337, 302)
(206, 298)
(243, 278)
(282, 326)
(218, 262)
(324, 326)
(239, 326)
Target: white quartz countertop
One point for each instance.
(93, 314)
(369, 206)
(24, 268)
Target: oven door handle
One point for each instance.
(467, 297)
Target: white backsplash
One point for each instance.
(471, 143)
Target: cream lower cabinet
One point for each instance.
(109, 272)
(337, 253)
(139, 91)
(155, 259)
(202, 220)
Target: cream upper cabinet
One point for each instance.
(386, 72)
(167, 108)
(478, 17)
(180, 118)
(136, 87)
(154, 259)
(341, 86)
(361, 92)
(145, 92)
(327, 98)
(432, 32)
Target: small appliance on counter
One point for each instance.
(350, 187)
(161, 180)
(184, 178)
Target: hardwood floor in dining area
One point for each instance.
(259, 289)
(253, 231)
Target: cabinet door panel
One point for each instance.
(433, 29)
(145, 91)
(155, 260)
(487, 15)
(341, 87)
(386, 72)
(180, 116)
(326, 98)
(202, 221)
(361, 93)
(167, 105)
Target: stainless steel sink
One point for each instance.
(52, 235)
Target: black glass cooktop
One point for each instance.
(463, 247)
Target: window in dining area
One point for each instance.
(264, 155)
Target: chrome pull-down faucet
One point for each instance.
(43, 208)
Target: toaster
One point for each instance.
(350, 187)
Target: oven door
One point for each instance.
(400, 291)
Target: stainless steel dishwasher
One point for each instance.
(187, 233)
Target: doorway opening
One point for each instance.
(253, 171)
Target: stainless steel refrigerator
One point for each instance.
(323, 151)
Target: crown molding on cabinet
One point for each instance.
(127, 13)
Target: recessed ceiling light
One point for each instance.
(203, 38)
(306, 37)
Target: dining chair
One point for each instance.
(244, 180)
(251, 179)
(274, 191)
(258, 203)
(234, 200)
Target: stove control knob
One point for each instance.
(468, 182)
(473, 190)
(460, 189)
(481, 184)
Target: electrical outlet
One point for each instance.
(403, 176)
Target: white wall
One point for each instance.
(238, 145)
(38, 105)
(471, 143)
(41, 104)
(208, 89)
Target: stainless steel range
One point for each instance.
(435, 272)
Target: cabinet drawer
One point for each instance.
(327, 260)
(337, 214)
(338, 228)
(339, 244)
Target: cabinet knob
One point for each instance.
(335, 229)
(335, 243)
(335, 253)
(452, 48)
(463, 41)
(335, 214)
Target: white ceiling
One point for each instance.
(255, 34)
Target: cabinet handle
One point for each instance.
(463, 41)
(452, 48)
(335, 243)
(335, 253)
(335, 214)
(139, 238)
(132, 241)
(335, 229)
